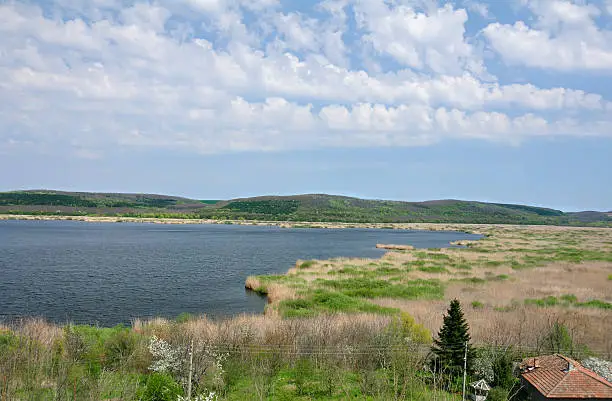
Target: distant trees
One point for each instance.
(453, 337)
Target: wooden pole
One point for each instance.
(190, 370)
(464, 369)
(4, 387)
(74, 389)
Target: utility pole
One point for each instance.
(190, 370)
(464, 369)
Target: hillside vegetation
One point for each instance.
(307, 208)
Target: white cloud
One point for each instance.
(121, 78)
(297, 32)
(423, 41)
(208, 6)
(477, 7)
(566, 38)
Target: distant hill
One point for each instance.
(311, 207)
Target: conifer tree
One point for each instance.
(449, 347)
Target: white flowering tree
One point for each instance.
(199, 365)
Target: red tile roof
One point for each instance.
(556, 376)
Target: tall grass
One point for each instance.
(249, 357)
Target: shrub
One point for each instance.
(502, 371)
(7, 341)
(498, 394)
(74, 344)
(558, 340)
(411, 329)
(119, 347)
(184, 317)
(302, 372)
(160, 387)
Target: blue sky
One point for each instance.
(506, 101)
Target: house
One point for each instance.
(556, 377)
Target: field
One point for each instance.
(515, 283)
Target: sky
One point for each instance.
(505, 101)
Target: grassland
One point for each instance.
(517, 282)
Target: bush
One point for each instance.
(74, 344)
(411, 329)
(502, 371)
(498, 394)
(160, 387)
(7, 341)
(302, 372)
(119, 347)
(184, 317)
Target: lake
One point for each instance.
(109, 273)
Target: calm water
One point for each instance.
(111, 273)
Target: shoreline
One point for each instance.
(282, 224)
(469, 228)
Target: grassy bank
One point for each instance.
(519, 280)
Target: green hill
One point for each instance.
(313, 207)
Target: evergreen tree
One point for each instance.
(449, 347)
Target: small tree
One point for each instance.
(449, 347)
(502, 371)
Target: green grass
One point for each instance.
(307, 264)
(477, 305)
(306, 381)
(547, 301)
(595, 303)
(350, 270)
(569, 300)
(369, 288)
(461, 266)
(433, 269)
(470, 280)
(324, 301)
(383, 270)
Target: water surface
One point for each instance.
(109, 273)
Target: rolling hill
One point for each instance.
(312, 207)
